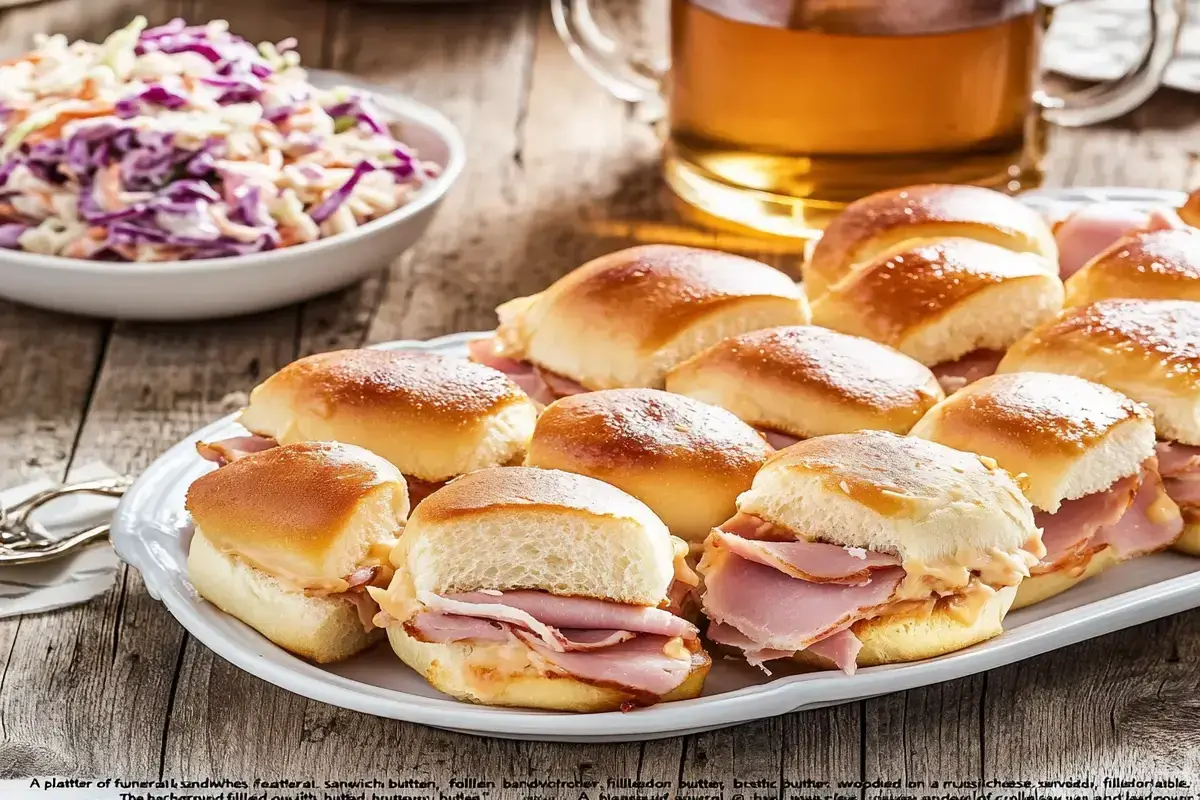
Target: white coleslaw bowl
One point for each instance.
(222, 287)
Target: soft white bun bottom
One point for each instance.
(500, 675)
(912, 637)
(322, 629)
(1037, 588)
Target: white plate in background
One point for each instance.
(221, 287)
(151, 531)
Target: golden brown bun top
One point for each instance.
(1070, 437)
(909, 289)
(408, 386)
(1045, 412)
(883, 471)
(1143, 340)
(522, 489)
(288, 508)
(653, 291)
(646, 429)
(1151, 265)
(827, 367)
(879, 222)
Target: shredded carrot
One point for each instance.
(32, 58)
(55, 129)
(89, 90)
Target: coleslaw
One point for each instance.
(184, 142)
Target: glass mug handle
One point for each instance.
(1112, 99)
(608, 62)
(635, 81)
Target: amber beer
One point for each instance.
(802, 113)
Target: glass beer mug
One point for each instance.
(779, 112)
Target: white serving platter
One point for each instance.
(151, 531)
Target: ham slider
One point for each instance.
(1160, 265)
(900, 219)
(868, 548)
(540, 589)
(688, 461)
(624, 319)
(955, 305)
(433, 417)
(800, 381)
(289, 540)
(1088, 460)
(1150, 351)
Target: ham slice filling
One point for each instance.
(1179, 465)
(542, 385)
(1129, 517)
(1094, 228)
(597, 641)
(954, 375)
(758, 577)
(778, 439)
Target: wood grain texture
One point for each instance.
(558, 173)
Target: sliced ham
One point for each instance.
(1094, 228)
(580, 612)
(1175, 459)
(432, 626)
(749, 526)
(778, 440)
(780, 612)
(641, 664)
(579, 641)
(816, 562)
(366, 608)
(1180, 468)
(842, 648)
(363, 576)
(495, 611)
(1149, 525)
(226, 451)
(542, 385)
(755, 656)
(954, 375)
(1067, 532)
(559, 385)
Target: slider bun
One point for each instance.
(1155, 265)
(624, 319)
(1037, 588)
(686, 460)
(527, 528)
(309, 512)
(323, 629)
(894, 494)
(1189, 541)
(482, 674)
(1146, 349)
(901, 218)
(433, 417)
(809, 381)
(938, 302)
(902, 637)
(1069, 436)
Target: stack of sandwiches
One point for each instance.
(660, 457)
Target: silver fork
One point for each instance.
(24, 541)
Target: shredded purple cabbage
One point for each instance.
(10, 235)
(334, 201)
(361, 110)
(156, 94)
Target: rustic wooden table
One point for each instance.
(558, 173)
